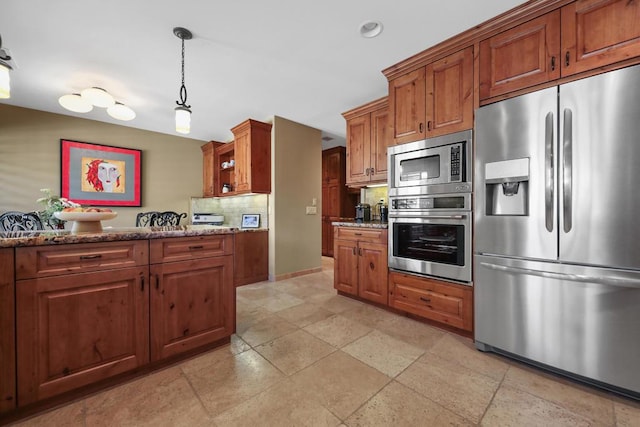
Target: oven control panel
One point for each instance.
(455, 202)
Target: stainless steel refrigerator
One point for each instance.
(557, 229)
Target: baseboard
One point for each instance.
(296, 274)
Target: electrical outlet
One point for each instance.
(312, 210)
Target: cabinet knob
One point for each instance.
(421, 127)
(553, 63)
(567, 56)
(429, 126)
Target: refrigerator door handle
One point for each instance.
(583, 278)
(567, 145)
(548, 171)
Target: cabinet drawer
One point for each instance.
(373, 235)
(432, 299)
(43, 261)
(185, 248)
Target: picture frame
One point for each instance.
(250, 221)
(100, 175)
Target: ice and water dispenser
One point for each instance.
(507, 187)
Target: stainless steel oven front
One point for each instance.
(431, 235)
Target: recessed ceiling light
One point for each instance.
(370, 29)
(75, 103)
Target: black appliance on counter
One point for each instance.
(363, 212)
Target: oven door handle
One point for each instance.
(429, 216)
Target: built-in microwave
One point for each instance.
(430, 166)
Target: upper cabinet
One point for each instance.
(599, 32)
(252, 141)
(523, 56)
(240, 166)
(433, 100)
(368, 135)
(581, 36)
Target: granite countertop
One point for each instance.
(368, 224)
(9, 239)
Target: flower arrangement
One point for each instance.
(53, 203)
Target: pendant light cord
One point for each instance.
(183, 88)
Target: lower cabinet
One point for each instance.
(191, 304)
(360, 262)
(251, 257)
(7, 332)
(87, 312)
(77, 329)
(443, 302)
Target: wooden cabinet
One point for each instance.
(581, 36)
(523, 56)
(596, 33)
(408, 106)
(360, 266)
(246, 159)
(337, 202)
(449, 83)
(76, 329)
(7, 332)
(252, 141)
(443, 302)
(368, 135)
(433, 100)
(209, 165)
(193, 300)
(251, 258)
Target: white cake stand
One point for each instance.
(85, 222)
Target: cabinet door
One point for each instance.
(242, 145)
(345, 254)
(77, 329)
(599, 32)
(7, 332)
(523, 56)
(450, 94)
(380, 138)
(327, 237)
(331, 165)
(407, 104)
(358, 149)
(332, 201)
(372, 272)
(207, 170)
(251, 258)
(192, 304)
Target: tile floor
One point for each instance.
(304, 356)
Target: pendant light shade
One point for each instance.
(98, 97)
(5, 79)
(120, 111)
(183, 120)
(75, 103)
(5, 82)
(183, 111)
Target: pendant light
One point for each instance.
(5, 79)
(183, 111)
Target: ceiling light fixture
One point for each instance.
(5, 79)
(121, 112)
(98, 97)
(84, 102)
(183, 111)
(75, 103)
(370, 29)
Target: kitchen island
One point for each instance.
(78, 310)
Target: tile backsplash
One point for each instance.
(233, 207)
(372, 196)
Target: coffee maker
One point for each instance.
(363, 212)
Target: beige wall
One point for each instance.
(296, 179)
(30, 160)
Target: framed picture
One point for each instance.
(100, 175)
(250, 220)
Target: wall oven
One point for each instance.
(431, 235)
(430, 207)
